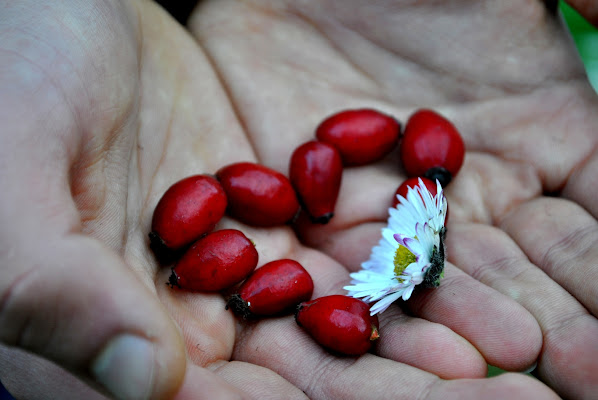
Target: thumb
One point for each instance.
(75, 302)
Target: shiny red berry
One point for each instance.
(432, 147)
(361, 136)
(272, 289)
(258, 195)
(189, 209)
(315, 171)
(340, 323)
(215, 262)
(411, 183)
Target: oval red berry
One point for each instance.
(411, 183)
(430, 145)
(189, 209)
(215, 262)
(272, 289)
(361, 136)
(258, 195)
(340, 323)
(315, 171)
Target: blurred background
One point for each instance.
(586, 40)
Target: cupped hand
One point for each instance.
(105, 104)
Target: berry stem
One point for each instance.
(239, 306)
(441, 174)
(173, 280)
(375, 335)
(322, 219)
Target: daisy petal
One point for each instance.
(416, 224)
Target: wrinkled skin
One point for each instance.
(104, 104)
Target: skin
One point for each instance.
(101, 114)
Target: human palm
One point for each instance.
(142, 105)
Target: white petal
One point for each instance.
(407, 293)
(384, 303)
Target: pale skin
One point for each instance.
(105, 104)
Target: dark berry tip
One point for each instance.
(173, 280)
(156, 240)
(163, 253)
(322, 219)
(438, 173)
(297, 310)
(239, 306)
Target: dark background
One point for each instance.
(180, 9)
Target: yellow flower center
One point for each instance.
(403, 258)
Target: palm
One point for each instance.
(497, 71)
(270, 75)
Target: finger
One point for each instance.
(406, 339)
(75, 303)
(201, 384)
(428, 346)
(504, 332)
(257, 382)
(28, 376)
(285, 348)
(474, 311)
(560, 237)
(569, 353)
(457, 303)
(579, 187)
(235, 380)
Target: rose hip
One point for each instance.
(188, 209)
(258, 195)
(215, 262)
(361, 136)
(271, 289)
(411, 183)
(432, 147)
(340, 323)
(315, 171)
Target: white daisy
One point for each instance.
(410, 252)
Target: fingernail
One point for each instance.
(125, 367)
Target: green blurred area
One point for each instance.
(585, 36)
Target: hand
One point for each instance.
(101, 115)
(509, 77)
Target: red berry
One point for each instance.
(340, 323)
(215, 262)
(315, 171)
(411, 183)
(188, 209)
(258, 195)
(361, 136)
(432, 147)
(273, 288)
